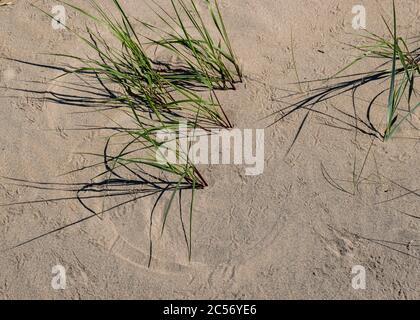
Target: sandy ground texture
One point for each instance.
(284, 234)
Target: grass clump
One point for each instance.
(156, 96)
(162, 94)
(208, 60)
(399, 66)
(404, 68)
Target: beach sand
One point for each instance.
(285, 234)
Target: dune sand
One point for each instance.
(285, 234)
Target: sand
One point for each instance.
(285, 234)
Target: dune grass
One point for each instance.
(399, 65)
(404, 68)
(156, 95)
(209, 60)
(152, 92)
